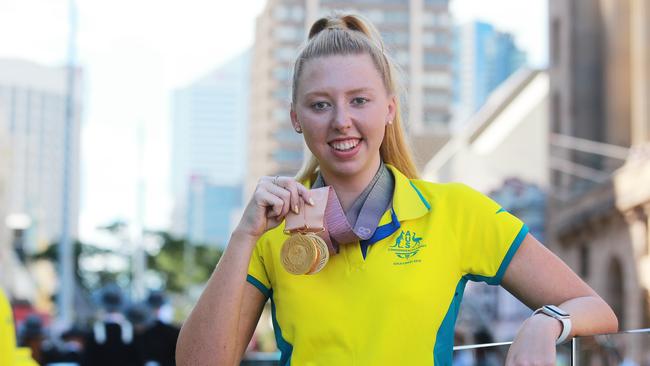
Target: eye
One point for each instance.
(319, 106)
(359, 101)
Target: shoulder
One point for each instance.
(445, 193)
(455, 199)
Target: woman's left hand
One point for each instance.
(535, 342)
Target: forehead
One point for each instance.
(339, 73)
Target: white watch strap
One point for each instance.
(566, 329)
(566, 325)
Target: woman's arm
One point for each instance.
(226, 313)
(538, 277)
(222, 322)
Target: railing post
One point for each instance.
(574, 351)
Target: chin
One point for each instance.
(348, 169)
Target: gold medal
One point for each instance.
(304, 254)
(323, 254)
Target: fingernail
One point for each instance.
(295, 209)
(311, 201)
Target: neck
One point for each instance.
(347, 187)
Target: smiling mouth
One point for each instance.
(345, 145)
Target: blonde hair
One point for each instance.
(353, 35)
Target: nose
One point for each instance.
(341, 120)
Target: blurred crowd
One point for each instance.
(123, 334)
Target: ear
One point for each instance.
(294, 119)
(392, 109)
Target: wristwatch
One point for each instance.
(559, 314)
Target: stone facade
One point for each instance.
(598, 220)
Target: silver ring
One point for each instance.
(275, 180)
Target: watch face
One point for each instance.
(554, 310)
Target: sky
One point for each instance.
(134, 53)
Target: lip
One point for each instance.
(345, 155)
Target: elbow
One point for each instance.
(610, 324)
(613, 322)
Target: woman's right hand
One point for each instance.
(270, 204)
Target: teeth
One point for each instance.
(345, 145)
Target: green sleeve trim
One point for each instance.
(259, 285)
(496, 279)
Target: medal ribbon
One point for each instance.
(327, 219)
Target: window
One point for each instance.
(287, 135)
(437, 2)
(398, 38)
(284, 54)
(375, 16)
(280, 115)
(436, 39)
(281, 94)
(435, 118)
(556, 113)
(396, 17)
(556, 36)
(281, 74)
(297, 13)
(360, 2)
(281, 13)
(436, 99)
(437, 59)
(435, 19)
(402, 57)
(437, 79)
(283, 155)
(293, 13)
(286, 33)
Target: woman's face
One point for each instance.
(342, 108)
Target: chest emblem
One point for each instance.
(407, 245)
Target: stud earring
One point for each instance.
(298, 129)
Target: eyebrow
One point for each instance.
(349, 92)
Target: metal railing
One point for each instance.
(629, 348)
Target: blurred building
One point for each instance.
(209, 213)
(483, 58)
(210, 119)
(600, 88)
(502, 151)
(32, 116)
(417, 34)
(505, 138)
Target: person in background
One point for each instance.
(158, 341)
(142, 318)
(69, 348)
(31, 334)
(110, 341)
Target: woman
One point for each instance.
(392, 298)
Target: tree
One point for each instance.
(88, 280)
(180, 267)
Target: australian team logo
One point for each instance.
(407, 245)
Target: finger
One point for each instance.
(272, 203)
(283, 194)
(292, 186)
(304, 193)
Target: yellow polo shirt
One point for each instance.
(398, 305)
(7, 332)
